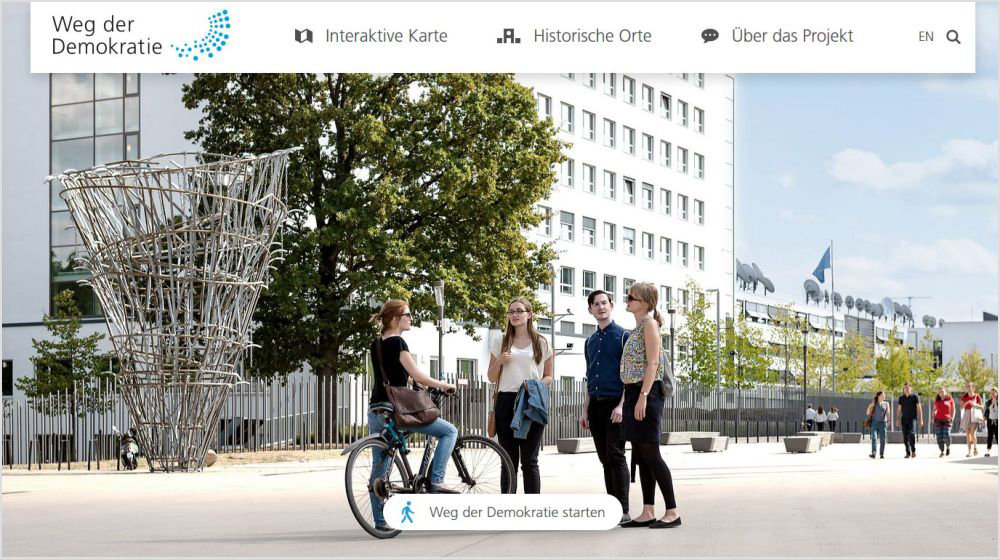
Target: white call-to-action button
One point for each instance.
(502, 512)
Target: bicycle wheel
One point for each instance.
(370, 481)
(480, 466)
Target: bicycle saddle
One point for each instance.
(381, 407)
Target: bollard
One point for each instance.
(303, 436)
(31, 451)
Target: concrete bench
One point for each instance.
(575, 445)
(825, 437)
(847, 437)
(709, 444)
(805, 443)
(684, 437)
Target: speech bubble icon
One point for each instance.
(709, 35)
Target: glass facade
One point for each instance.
(93, 119)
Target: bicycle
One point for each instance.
(378, 468)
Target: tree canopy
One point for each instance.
(403, 179)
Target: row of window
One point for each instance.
(609, 84)
(567, 177)
(567, 286)
(567, 113)
(610, 136)
(567, 232)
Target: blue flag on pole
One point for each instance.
(824, 263)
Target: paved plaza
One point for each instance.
(752, 500)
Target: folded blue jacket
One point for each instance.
(530, 406)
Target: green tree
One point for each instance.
(699, 335)
(973, 368)
(926, 376)
(403, 179)
(787, 350)
(894, 369)
(746, 362)
(855, 360)
(67, 364)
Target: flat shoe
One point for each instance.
(441, 490)
(661, 524)
(636, 523)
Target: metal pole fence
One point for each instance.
(284, 414)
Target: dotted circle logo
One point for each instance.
(219, 29)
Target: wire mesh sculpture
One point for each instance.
(179, 247)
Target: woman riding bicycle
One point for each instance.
(399, 367)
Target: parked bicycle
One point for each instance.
(378, 468)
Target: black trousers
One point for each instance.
(832, 424)
(610, 448)
(909, 434)
(991, 433)
(523, 452)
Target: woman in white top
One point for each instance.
(831, 419)
(521, 355)
(820, 419)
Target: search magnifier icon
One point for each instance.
(952, 36)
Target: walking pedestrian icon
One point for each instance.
(407, 511)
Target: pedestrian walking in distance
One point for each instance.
(944, 413)
(991, 420)
(604, 398)
(910, 417)
(820, 419)
(878, 413)
(972, 413)
(810, 417)
(832, 418)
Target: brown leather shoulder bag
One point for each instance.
(411, 408)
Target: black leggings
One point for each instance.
(991, 433)
(653, 471)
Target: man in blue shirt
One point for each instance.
(602, 405)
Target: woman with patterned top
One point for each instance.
(970, 423)
(641, 370)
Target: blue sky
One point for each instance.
(899, 170)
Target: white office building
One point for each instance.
(952, 339)
(647, 193)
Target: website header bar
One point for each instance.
(711, 37)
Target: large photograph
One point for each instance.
(254, 314)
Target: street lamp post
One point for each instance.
(718, 361)
(439, 299)
(805, 367)
(673, 397)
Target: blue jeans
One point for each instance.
(878, 428)
(444, 432)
